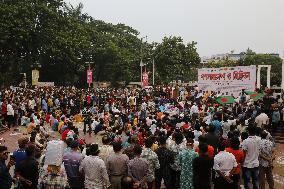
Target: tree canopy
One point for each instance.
(61, 38)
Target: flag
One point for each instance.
(225, 100)
(256, 96)
(249, 92)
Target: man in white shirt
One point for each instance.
(10, 114)
(94, 169)
(224, 164)
(261, 120)
(251, 148)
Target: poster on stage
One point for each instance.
(227, 80)
(145, 79)
(89, 76)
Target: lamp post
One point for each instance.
(141, 60)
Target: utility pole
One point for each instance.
(153, 72)
(282, 82)
(141, 61)
(24, 79)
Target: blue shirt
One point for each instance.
(43, 104)
(19, 155)
(218, 126)
(72, 161)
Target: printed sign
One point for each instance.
(145, 79)
(89, 76)
(35, 76)
(227, 80)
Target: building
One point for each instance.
(228, 56)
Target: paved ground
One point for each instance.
(9, 138)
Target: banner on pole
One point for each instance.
(227, 80)
(145, 79)
(89, 76)
(35, 77)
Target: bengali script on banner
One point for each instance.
(227, 80)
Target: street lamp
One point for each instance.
(141, 61)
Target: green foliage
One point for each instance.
(61, 39)
(174, 60)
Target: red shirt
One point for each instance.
(186, 126)
(64, 134)
(210, 151)
(239, 155)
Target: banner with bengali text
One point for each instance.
(89, 76)
(227, 80)
(145, 79)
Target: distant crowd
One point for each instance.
(171, 137)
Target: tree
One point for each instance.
(61, 38)
(174, 60)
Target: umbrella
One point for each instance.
(225, 100)
(256, 96)
(249, 92)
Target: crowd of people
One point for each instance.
(172, 137)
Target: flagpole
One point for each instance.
(153, 72)
(282, 82)
(141, 70)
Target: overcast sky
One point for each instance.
(218, 26)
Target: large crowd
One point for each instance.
(171, 137)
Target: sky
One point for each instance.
(218, 26)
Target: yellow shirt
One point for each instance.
(61, 123)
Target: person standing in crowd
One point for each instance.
(202, 168)
(152, 160)
(20, 154)
(117, 166)
(275, 119)
(54, 178)
(166, 159)
(266, 158)
(262, 119)
(212, 139)
(239, 155)
(72, 160)
(225, 165)
(210, 149)
(251, 147)
(4, 111)
(5, 177)
(176, 148)
(185, 159)
(106, 149)
(94, 169)
(10, 114)
(138, 169)
(28, 170)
